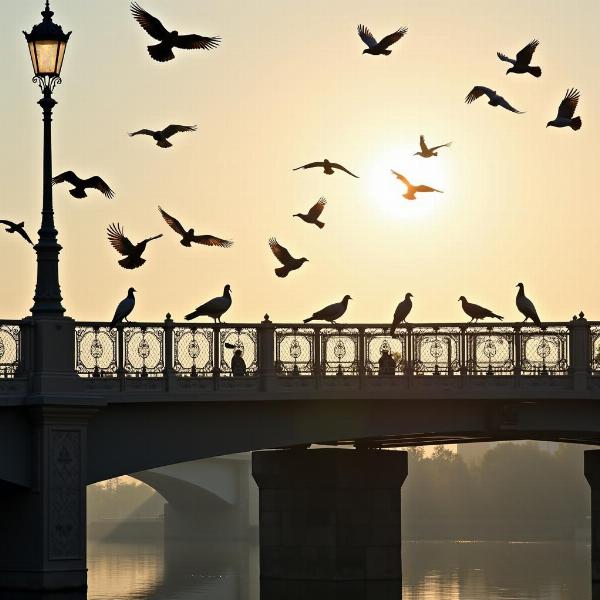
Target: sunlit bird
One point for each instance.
(214, 308)
(566, 110)
(521, 63)
(80, 185)
(161, 136)
(285, 258)
(187, 237)
(494, 98)
(314, 213)
(124, 308)
(163, 51)
(331, 313)
(411, 189)
(401, 312)
(132, 252)
(17, 228)
(376, 48)
(429, 152)
(477, 312)
(328, 167)
(526, 307)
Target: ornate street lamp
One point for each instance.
(47, 43)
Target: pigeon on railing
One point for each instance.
(80, 185)
(133, 253)
(285, 258)
(494, 98)
(566, 110)
(376, 48)
(332, 312)
(328, 167)
(187, 237)
(526, 307)
(17, 228)
(161, 136)
(411, 189)
(124, 308)
(477, 312)
(401, 312)
(214, 308)
(521, 63)
(429, 152)
(314, 213)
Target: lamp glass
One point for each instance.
(47, 56)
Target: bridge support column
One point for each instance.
(592, 474)
(330, 522)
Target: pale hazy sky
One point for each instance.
(289, 85)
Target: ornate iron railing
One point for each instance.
(11, 360)
(595, 348)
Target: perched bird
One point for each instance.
(214, 308)
(18, 228)
(124, 308)
(328, 167)
(80, 185)
(521, 63)
(566, 110)
(332, 312)
(411, 189)
(494, 99)
(429, 152)
(314, 213)
(401, 312)
(526, 307)
(132, 253)
(161, 137)
(163, 51)
(285, 258)
(477, 312)
(187, 237)
(376, 48)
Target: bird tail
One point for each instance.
(535, 71)
(308, 320)
(161, 52)
(387, 52)
(282, 271)
(164, 144)
(576, 123)
(497, 317)
(78, 193)
(320, 224)
(192, 315)
(130, 262)
(536, 320)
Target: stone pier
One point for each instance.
(592, 474)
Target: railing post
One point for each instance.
(518, 348)
(266, 354)
(168, 370)
(216, 371)
(361, 356)
(579, 352)
(120, 355)
(316, 358)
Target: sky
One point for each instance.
(290, 85)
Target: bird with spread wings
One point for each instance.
(429, 152)
(521, 64)
(377, 48)
(132, 252)
(411, 189)
(494, 98)
(285, 258)
(327, 166)
(314, 213)
(80, 185)
(566, 110)
(188, 236)
(17, 228)
(161, 137)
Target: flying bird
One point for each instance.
(163, 51)
(521, 63)
(285, 258)
(411, 189)
(429, 152)
(162, 136)
(494, 99)
(17, 228)
(132, 253)
(328, 167)
(80, 185)
(124, 308)
(187, 237)
(376, 48)
(566, 110)
(526, 307)
(314, 213)
(214, 308)
(477, 312)
(332, 312)
(401, 313)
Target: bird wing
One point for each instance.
(99, 184)
(172, 222)
(9, 223)
(151, 24)
(440, 146)
(173, 129)
(524, 56)
(366, 36)
(567, 107)
(124, 309)
(281, 253)
(211, 240)
(502, 102)
(67, 176)
(342, 168)
(478, 91)
(425, 188)
(142, 132)
(317, 209)
(388, 40)
(310, 165)
(401, 178)
(194, 42)
(118, 240)
(422, 143)
(23, 234)
(505, 58)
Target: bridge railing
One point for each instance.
(11, 348)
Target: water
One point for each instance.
(432, 571)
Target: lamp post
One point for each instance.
(47, 43)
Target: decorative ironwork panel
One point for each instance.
(96, 351)
(10, 350)
(377, 341)
(340, 351)
(193, 351)
(240, 338)
(144, 351)
(544, 351)
(490, 351)
(294, 351)
(595, 349)
(436, 350)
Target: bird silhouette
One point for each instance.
(332, 312)
(214, 308)
(80, 185)
(494, 98)
(285, 258)
(377, 48)
(429, 152)
(401, 312)
(17, 228)
(161, 136)
(314, 213)
(328, 167)
(163, 51)
(521, 63)
(477, 312)
(132, 253)
(187, 237)
(411, 189)
(526, 307)
(124, 308)
(566, 110)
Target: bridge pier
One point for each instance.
(330, 522)
(592, 474)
